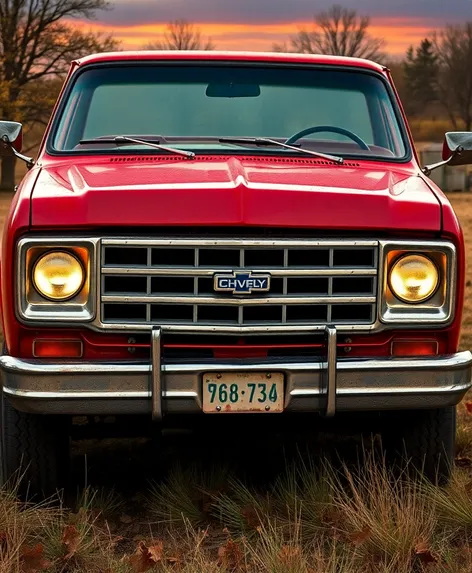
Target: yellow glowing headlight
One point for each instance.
(58, 275)
(414, 278)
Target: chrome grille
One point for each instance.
(169, 282)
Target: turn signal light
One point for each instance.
(47, 348)
(414, 348)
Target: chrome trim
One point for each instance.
(285, 272)
(240, 302)
(331, 372)
(45, 310)
(239, 325)
(228, 330)
(237, 243)
(364, 384)
(156, 374)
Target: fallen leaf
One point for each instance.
(71, 539)
(230, 556)
(174, 561)
(141, 560)
(424, 553)
(358, 537)
(126, 518)
(32, 559)
(468, 407)
(156, 551)
(289, 554)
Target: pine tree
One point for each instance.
(420, 70)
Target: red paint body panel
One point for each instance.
(17, 223)
(98, 193)
(233, 191)
(451, 229)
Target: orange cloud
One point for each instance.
(399, 33)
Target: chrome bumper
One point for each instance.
(334, 385)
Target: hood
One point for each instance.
(238, 191)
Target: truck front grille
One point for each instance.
(169, 283)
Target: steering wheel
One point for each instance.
(330, 129)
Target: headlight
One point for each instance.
(413, 278)
(58, 275)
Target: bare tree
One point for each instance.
(453, 47)
(340, 32)
(36, 45)
(182, 35)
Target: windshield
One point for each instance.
(343, 112)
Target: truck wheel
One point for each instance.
(424, 439)
(35, 448)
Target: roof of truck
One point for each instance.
(269, 57)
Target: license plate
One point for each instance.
(229, 392)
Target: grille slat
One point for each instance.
(209, 272)
(256, 301)
(169, 282)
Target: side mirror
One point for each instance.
(457, 148)
(11, 135)
(11, 141)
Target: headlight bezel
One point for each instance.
(33, 306)
(439, 307)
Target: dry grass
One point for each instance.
(429, 129)
(372, 522)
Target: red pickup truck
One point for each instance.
(215, 233)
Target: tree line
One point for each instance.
(38, 42)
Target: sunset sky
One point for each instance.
(257, 24)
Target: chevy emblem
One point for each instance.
(242, 283)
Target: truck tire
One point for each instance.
(424, 439)
(35, 448)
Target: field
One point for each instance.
(228, 502)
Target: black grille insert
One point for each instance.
(172, 285)
(171, 312)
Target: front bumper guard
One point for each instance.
(156, 387)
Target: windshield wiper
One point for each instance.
(124, 140)
(266, 141)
